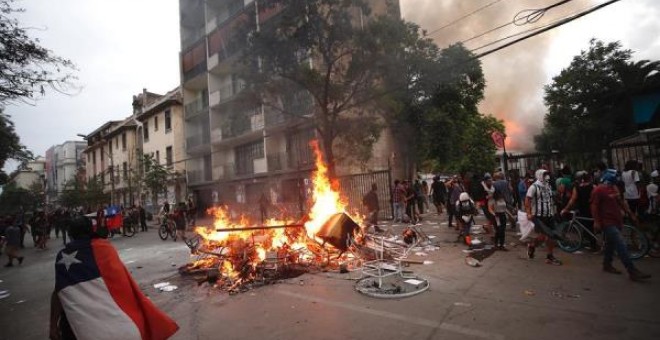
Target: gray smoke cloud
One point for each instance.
(514, 76)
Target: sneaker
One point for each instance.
(610, 269)
(20, 260)
(530, 252)
(502, 248)
(636, 275)
(550, 259)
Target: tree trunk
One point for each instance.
(326, 147)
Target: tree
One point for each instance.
(14, 197)
(589, 102)
(10, 145)
(155, 177)
(25, 66)
(317, 63)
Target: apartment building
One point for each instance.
(112, 156)
(63, 163)
(236, 154)
(31, 176)
(162, 137)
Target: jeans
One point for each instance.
(398, 211)
(500, 229)
(614, 241)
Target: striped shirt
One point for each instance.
(540, 197)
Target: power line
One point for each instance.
(546, 28)
(463, 17)
(531, 16)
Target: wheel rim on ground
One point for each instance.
(636, 242)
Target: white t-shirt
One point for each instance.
(630, 179)
(540, 197)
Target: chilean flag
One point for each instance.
(100, 298)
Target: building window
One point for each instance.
(123, 141)
(157, 157)
(155, 123)
(245, 156)
(117, 143)
(145, 131)
(168, 156)
(168, 121)
(124, 168)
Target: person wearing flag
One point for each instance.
(95, 296)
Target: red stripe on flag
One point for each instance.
(152, 323)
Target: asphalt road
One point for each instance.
(508, 297)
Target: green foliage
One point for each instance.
(25, 66)
(14, 197)
(315, 61)
(155, 175)
(79, 192)
(10, 145)
(589, 102)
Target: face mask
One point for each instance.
(546, 178)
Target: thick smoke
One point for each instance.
(514, 76)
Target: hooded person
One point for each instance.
(540, 208)
(95, 296)
(465, 210)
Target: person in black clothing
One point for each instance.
(143, 217)
(580, 200)
(370, 201)
(439, 194)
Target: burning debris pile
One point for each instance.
(235, 256)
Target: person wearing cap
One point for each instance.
(540, 208)
(652, 192)
(606, 206)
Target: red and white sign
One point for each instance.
(498, 139)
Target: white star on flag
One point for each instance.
(69, 259)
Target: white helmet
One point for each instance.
(464, 196)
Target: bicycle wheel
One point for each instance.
(163, 232)
(636, 241)
(571, 237)
(171, 229)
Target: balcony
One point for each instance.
(277, 161)
(196, 107)
(193, 37)
(225, 93)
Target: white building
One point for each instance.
(62, 164)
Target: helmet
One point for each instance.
(609, 176)
(464, 196)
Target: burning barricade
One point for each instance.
(236, 255)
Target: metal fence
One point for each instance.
(646, 152)
(354, 187)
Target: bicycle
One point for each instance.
(167, 228)
(573, 237)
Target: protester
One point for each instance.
(606, 206)
(652, 193)
(192, 211)
(465, 210)
(180, 221)
(631, 182)
(540, 208)
(95, 296)
(498, 208)
(370, 201)
(483, 198)
(142, 213)
(425, 197)
(398, 200)
(13, 240)
(455, 188)
(439, 194)
(411, 203)
(580, 200)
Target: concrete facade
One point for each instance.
(162, 137)
(235, 155)
(62, 164)
(34, 173)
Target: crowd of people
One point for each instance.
(602, 196)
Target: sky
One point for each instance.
(123, 46)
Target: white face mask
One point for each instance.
(546, 178)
